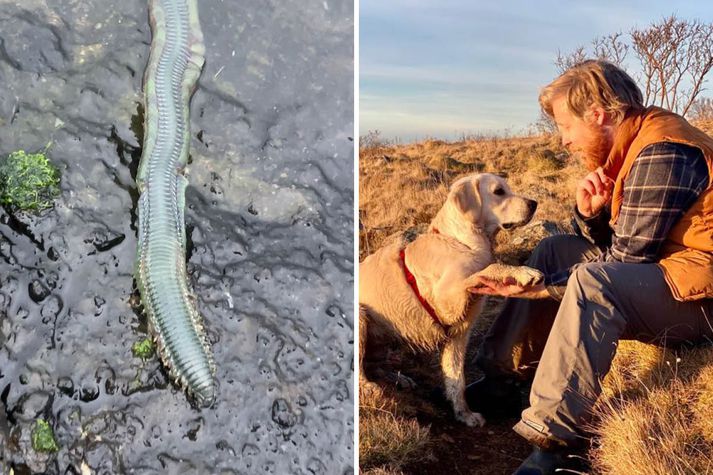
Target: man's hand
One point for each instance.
(508, 287)
(593, 192)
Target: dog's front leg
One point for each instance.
(452, 361)
(508, 281)
(366, 387)
(523, 275)
(449, 298)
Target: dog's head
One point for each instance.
(486, 201)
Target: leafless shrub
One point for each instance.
(372, 139)
(565, 61)
(611, 48)
(675, 56)
(545, 125)
(702, 110)
(674, 52)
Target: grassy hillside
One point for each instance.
(656, 412)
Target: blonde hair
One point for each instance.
(594, 82)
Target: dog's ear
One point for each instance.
(465, 194)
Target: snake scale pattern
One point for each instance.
(175, 62)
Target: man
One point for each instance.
(641, 266)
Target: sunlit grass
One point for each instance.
(656, 410)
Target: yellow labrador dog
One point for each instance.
(419, 290)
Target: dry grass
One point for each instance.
(656, 413)
(403, 186)
(390, 439)
(382, 471)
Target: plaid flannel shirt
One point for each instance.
(665, 180)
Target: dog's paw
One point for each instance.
(527, 276)
(471, 419)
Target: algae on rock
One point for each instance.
(28, 181)
(43, 437)
(143, 349)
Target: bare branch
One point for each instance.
(564, 62)
(674, 52)
(675, 56)
(611, 48)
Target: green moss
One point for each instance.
(43, 437)
(28, 181)
(143, 349)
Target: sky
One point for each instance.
(448, 68)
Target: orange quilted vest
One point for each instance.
(687, 254)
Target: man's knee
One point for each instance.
(557, 252)
(590, 277)
(595, 295)
(542, 254)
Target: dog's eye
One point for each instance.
(499, 191)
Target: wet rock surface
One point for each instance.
(270, 223)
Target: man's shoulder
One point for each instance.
(668, 149)
(671, 165)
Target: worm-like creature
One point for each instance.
(175, 63)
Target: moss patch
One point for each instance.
(143, 349)
(43, 437)
(28, 181)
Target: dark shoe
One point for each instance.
(551, 462)
(495, 397)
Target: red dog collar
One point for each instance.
(412, 282)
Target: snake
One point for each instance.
(176, 58)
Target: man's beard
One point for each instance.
(596, 151)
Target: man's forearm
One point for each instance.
(595, 229)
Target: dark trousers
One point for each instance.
(569, 345)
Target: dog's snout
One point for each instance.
(531, 206)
